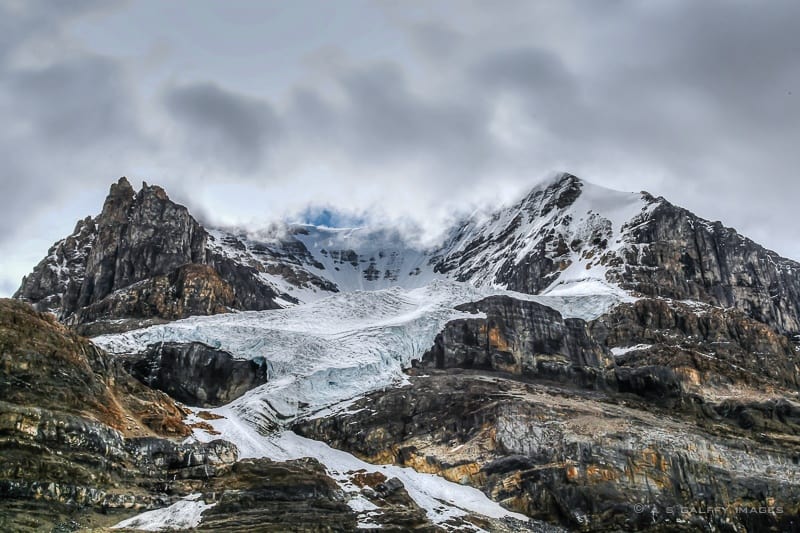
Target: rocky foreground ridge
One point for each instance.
(83, 445)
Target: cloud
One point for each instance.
(219, 124)
(382, 120)
(74, 102)
(462, 103)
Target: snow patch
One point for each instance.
(183, 514)
(621, 351)
(441, 499)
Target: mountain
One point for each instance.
(146, 257)
(587, 358)
(568, 235)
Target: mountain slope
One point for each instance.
(568, 236)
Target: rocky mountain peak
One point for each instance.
(565, 235)
(139, 258)
(559, 192)
(119, 199)
(154, 190)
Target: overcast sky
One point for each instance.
(402, 112)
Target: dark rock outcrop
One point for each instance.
(706, 346)
(143, 256)
(692, 358)
(520, 337)
(139, 236)
(679, 255)
(264, 495)
(188, 290)
(196, 374)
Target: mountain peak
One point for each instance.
(155, 190)
(120, 197)
(559, 191)
(121, 188)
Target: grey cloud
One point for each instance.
(232, 128)
(22, 21)
(525, 68)
(378, 119)
(435, 39)
(697, 101)
(93, 101)
(66, 112)
(388, 119)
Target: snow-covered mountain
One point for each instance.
(576, 228)
(565, 237)
(540, 353)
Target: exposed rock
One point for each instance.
(196, 374)
(249, 292)
(44, 365)
(82, 446)
(545, 420)
(679, 255)
(574, 457)
(520, 337)
(697, 359)
(660, 250)
(139, 236)
(263, 495)
(143, 257)
(64, 268)
(708, 347)
(643, 244)
(186, 291)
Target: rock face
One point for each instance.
(709, 347)
(643, 419)
(84, 445)
(568, 230)
(144, 256)
(263, 495)
(679, 255)
(188, 290)
(520, 337)
(49, 367)
(196, 374)
(590, 460)
(139, 236)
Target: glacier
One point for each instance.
(338, 347)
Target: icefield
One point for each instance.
(339, 347)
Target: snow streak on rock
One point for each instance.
(184, 514)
